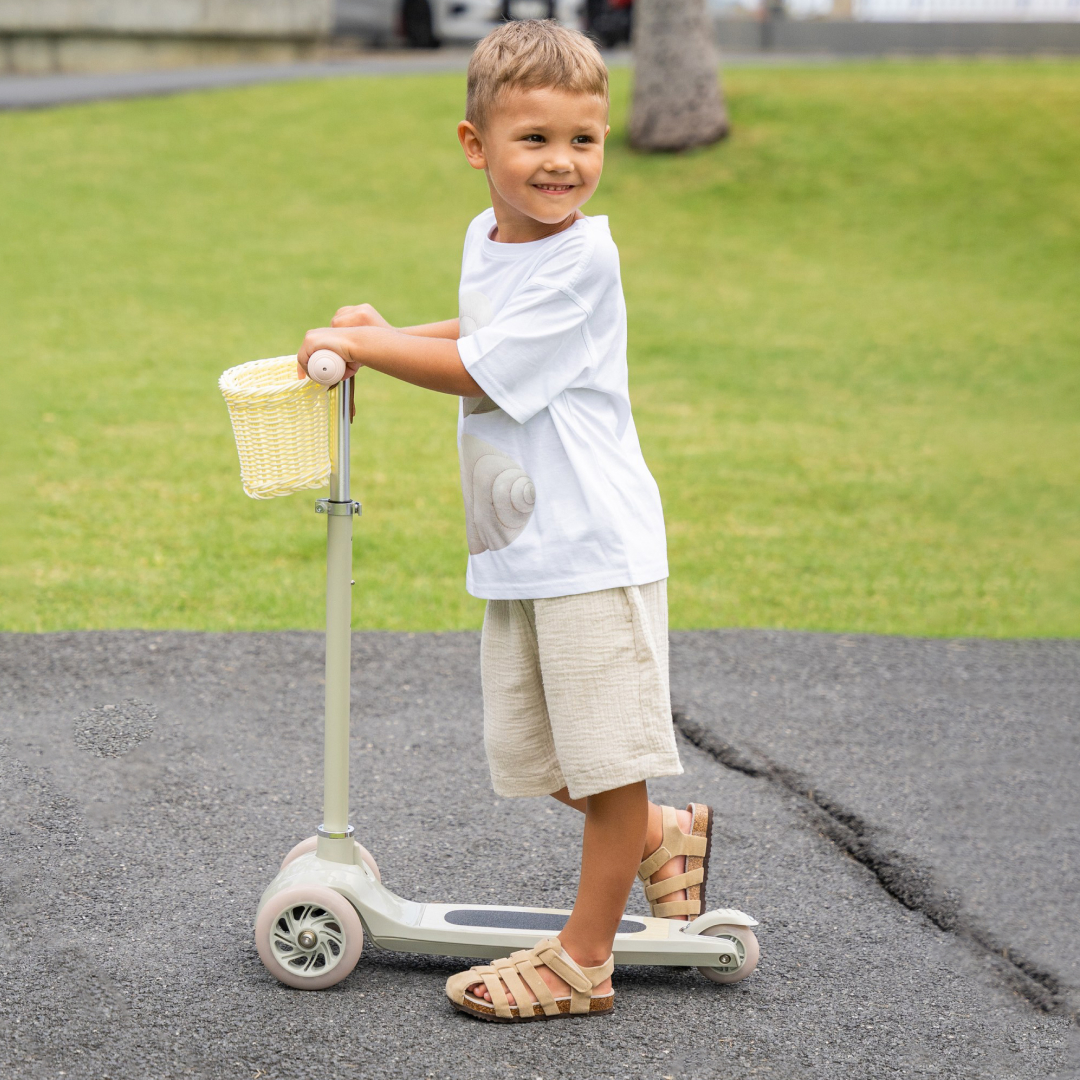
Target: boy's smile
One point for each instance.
(543, 152)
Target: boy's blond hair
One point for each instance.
(531, 54)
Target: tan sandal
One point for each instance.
(695, 846)
(519, 970)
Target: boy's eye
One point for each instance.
(582, 139)
(534, 138)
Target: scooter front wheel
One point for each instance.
(738, 953)
(312, 842)
(309, 937)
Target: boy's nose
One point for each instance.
(558, 165)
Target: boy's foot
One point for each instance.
(558, 987)
(585, 990)
(695, 825)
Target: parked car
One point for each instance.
(470, 20)
(609, 21)
(425, 24)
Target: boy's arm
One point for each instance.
(430, 361)
(366, 315)
(448, 328)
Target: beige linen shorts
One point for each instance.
(576, 691)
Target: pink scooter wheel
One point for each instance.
(738, 953)
(309, 937)
(312, 842)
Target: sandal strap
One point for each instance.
(581, 1002)
(540, 989)
(511, 975)
(675, 842)
(653, 863)
(506, 971)
(674, 884)
(676, 907)
(601, 972)
(522, 965)
(581, 980)
(499, 1000)
(551, 954)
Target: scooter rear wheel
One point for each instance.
(309, 937)
(738, 954)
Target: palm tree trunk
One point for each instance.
(677, 99)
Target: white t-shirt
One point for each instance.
(558, 499)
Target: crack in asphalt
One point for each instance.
(903, 877)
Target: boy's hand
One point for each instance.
(358, 315)
(336, 340)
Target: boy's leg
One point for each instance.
(605, 657)
(654, 835)
(615, 823)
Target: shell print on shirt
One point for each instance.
(499, 496)
(498, 493)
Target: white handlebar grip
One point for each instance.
(325, 367)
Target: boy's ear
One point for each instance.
(472, 144)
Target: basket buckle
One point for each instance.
(337, 509)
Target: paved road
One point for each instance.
(948, 767)
(136, 839)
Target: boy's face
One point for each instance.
(543, 152)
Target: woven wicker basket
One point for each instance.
(281, 425)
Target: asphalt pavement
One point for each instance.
(948, 768)
(873, 796)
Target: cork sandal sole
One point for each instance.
(699, 892)
(601, 1005)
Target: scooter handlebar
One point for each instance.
(325, 367)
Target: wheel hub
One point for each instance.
(308, 940)
(732, 954)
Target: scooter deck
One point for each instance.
(548, 921)
(479, 930)
(489, 931)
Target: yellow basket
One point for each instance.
(281, 425)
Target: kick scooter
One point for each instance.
(328, 893)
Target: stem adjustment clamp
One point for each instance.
(337, 509)
(330, 834)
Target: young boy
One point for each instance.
(563, 519)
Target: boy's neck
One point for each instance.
(513, 227)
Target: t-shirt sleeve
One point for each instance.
(536, 347)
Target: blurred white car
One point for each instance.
(428, 23)
(470, 20)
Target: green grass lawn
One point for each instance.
(854, 338)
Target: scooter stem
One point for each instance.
(335, 834)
